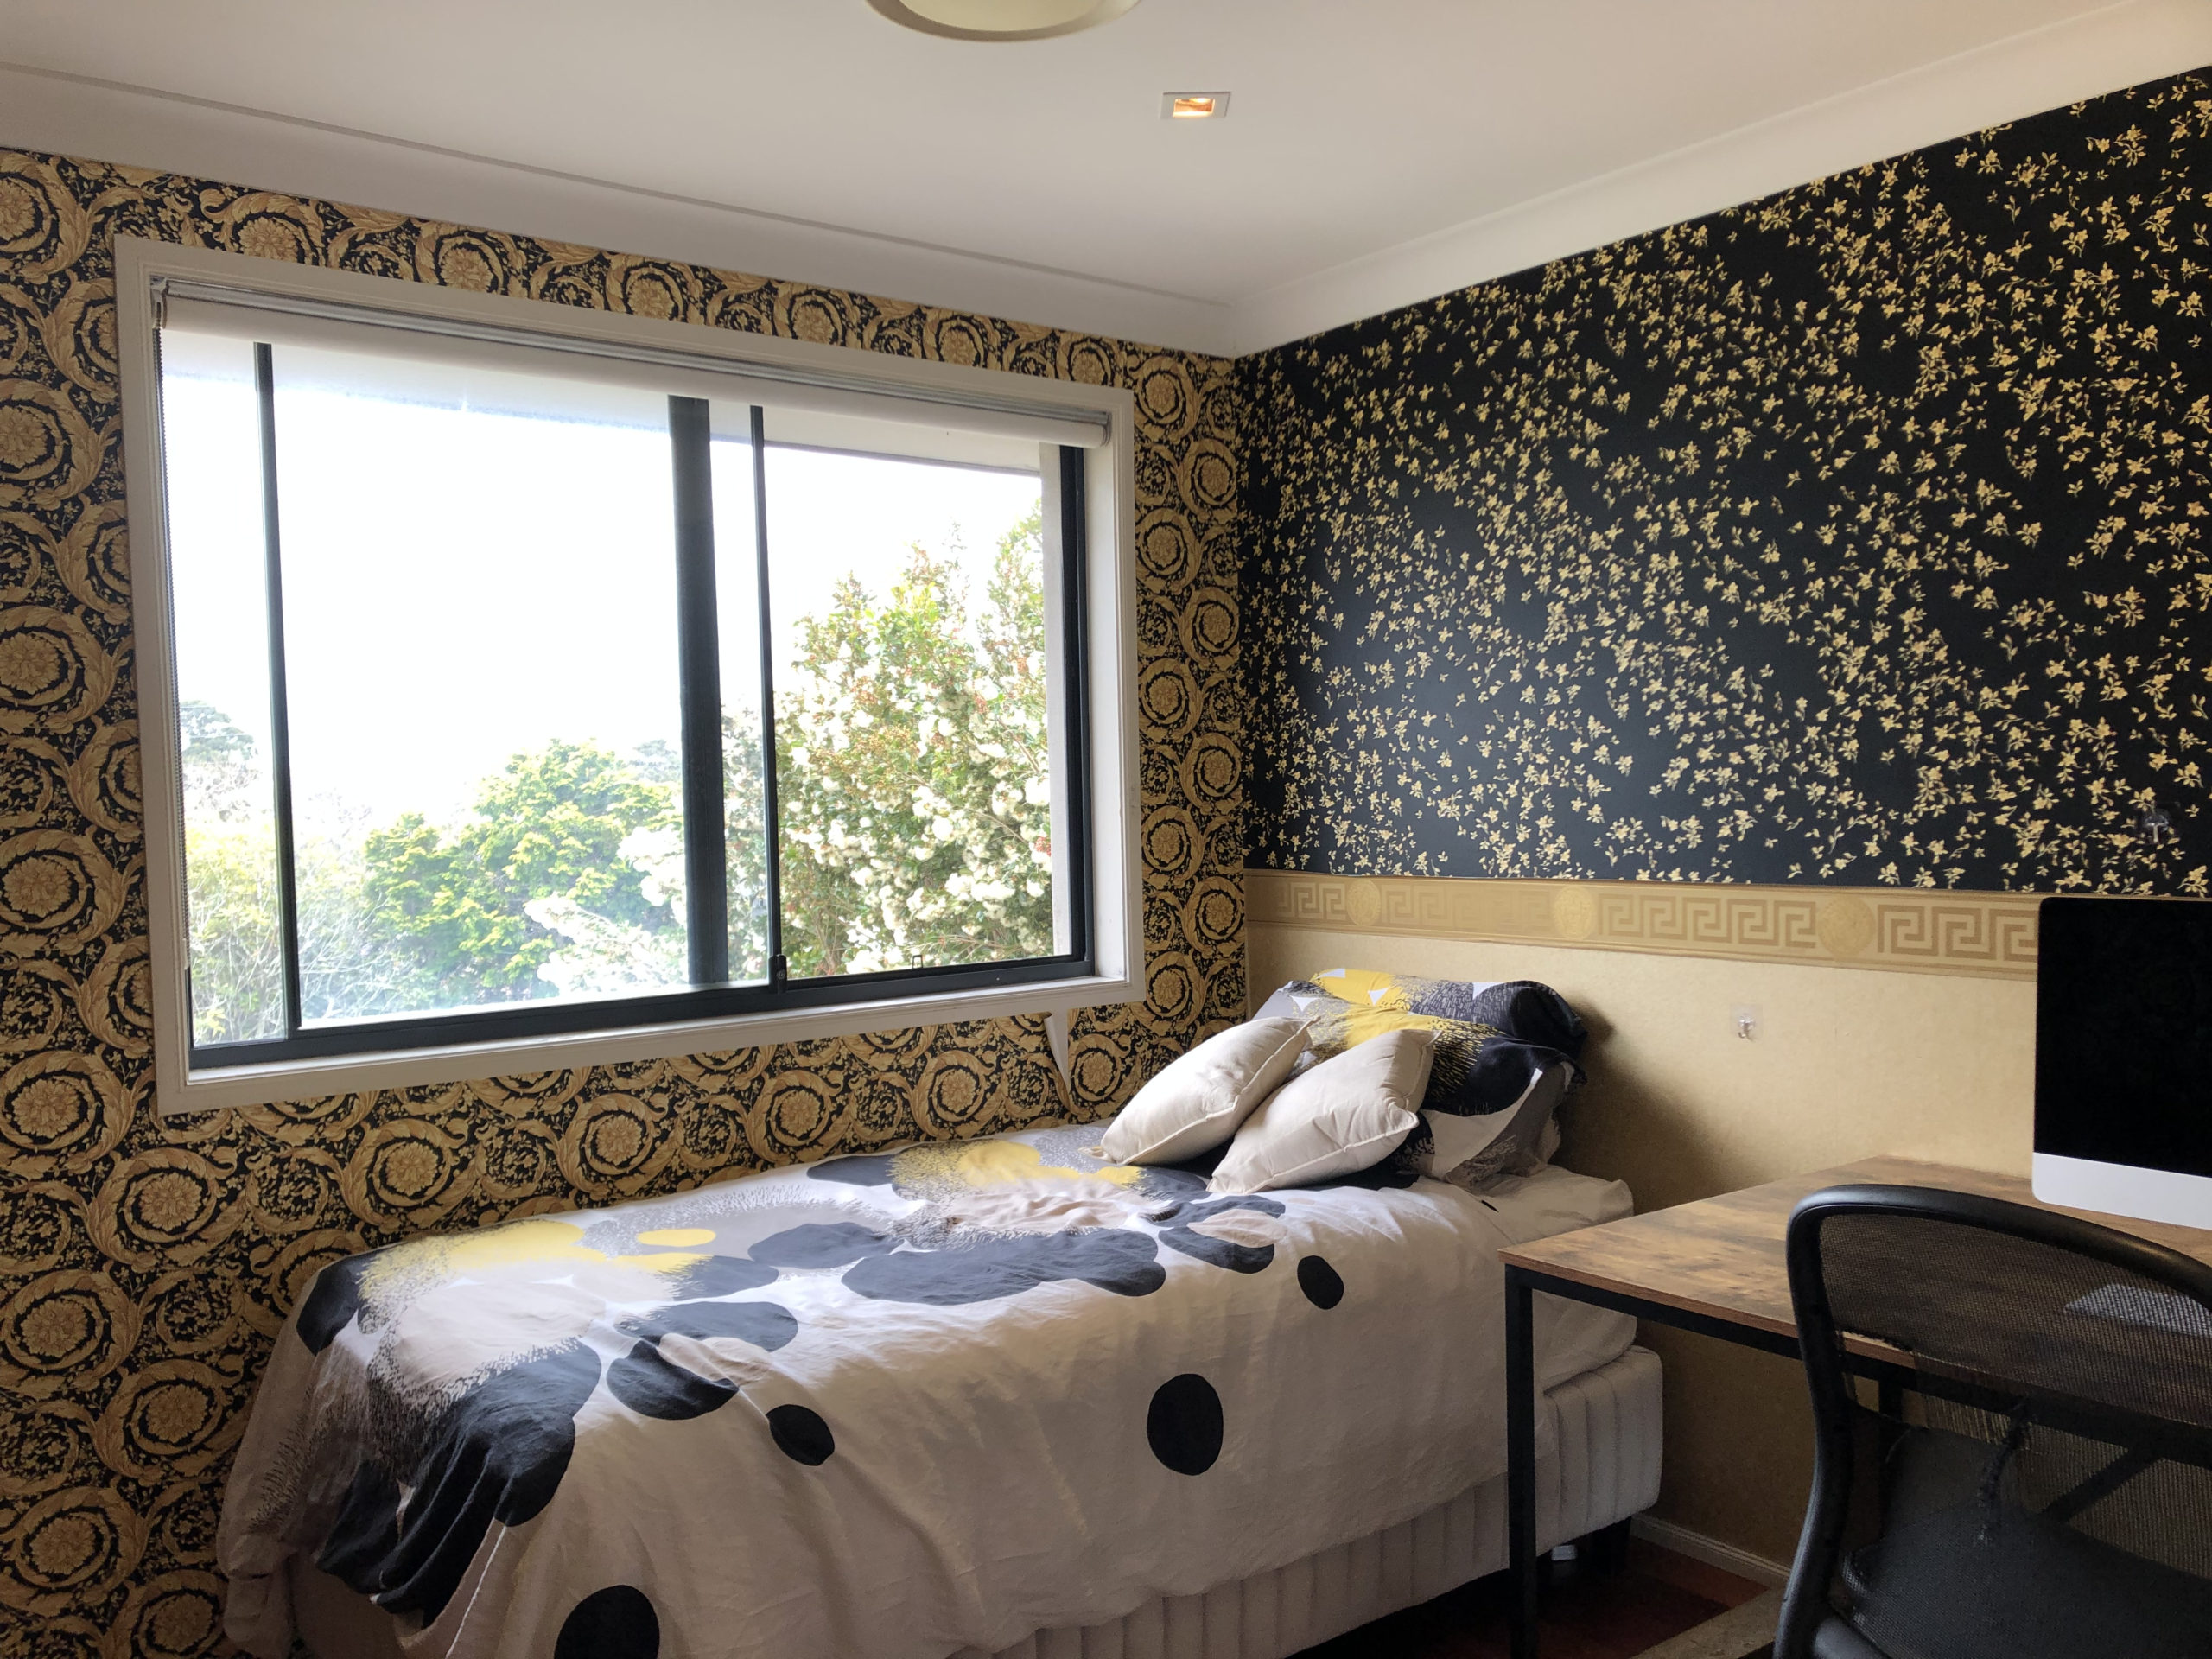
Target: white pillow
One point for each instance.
(1342, 1115)
(1197, 1102)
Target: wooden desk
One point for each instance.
(1717, 1268)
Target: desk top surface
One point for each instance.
(1723, 1257)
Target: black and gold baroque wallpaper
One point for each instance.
(145, 1264)
(1856, 535)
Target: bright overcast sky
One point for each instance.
(462, 586)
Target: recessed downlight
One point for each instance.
(1193, 106)
(1002, 19)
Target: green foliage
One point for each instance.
(219, 760)
(233, 910)
(551, 827)
(745, 848)
(237, 964)
(210, 737)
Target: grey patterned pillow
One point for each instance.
(1469, 1149)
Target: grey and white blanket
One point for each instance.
(891, 1405)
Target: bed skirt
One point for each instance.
(1607, 1470)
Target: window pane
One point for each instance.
(907, 623)
(211, 431)
(737, 591)
(479, 619)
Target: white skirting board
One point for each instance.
(1607, 1470)
(1713, 1552)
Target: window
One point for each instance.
(539, 691)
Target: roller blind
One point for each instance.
(284, 319)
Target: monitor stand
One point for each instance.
(2124, 1190)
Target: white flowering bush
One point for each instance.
(914, 779)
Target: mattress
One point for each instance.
(1606, 1424)
(898, 1405)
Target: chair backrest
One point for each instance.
(2061, 1371)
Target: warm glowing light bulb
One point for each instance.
(1194, 107)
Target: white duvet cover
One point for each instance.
(884, 1407)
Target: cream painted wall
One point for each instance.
(1848, 1064)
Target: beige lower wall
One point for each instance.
(1848, 1062)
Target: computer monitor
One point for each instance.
(2124, 1058)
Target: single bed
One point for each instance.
(995, 1397)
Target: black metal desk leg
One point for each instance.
(1521, 1456)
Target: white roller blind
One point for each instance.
(280, 319)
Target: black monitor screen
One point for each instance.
(2124, 1033)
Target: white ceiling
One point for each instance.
(1378, 151)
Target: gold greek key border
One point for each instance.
(1896, 930)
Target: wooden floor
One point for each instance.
(1617, 1615)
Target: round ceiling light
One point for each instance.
(1002, 19)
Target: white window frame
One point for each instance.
(144, 268)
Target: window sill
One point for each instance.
(208, 1089)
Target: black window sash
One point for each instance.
(699, 674)
(280, 708)
(771, 819)
(712, 994)
(1074, 677)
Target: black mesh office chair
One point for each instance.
(2047, 1488)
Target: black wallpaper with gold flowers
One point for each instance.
(1858, 534)
(145, 1264)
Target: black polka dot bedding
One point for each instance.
(897, 1404)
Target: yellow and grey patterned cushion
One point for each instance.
(1507, 1048)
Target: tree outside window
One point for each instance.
(915, 802)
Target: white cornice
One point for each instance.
(2124, 44)
(136, 126)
